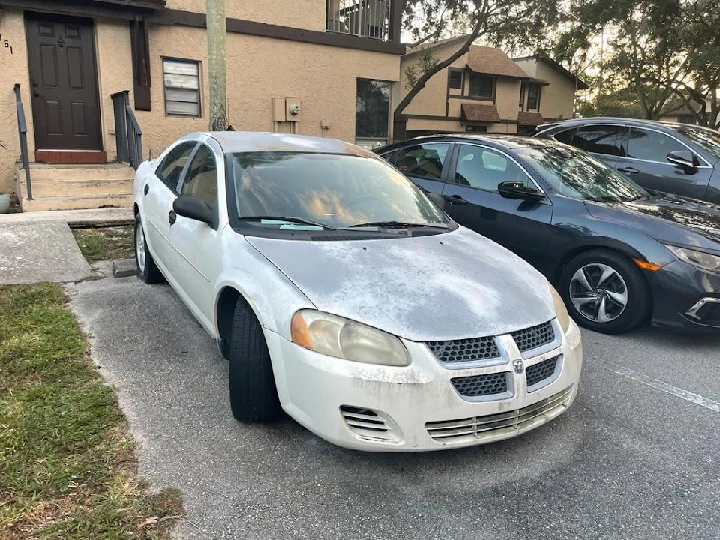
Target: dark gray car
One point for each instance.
(672, 158)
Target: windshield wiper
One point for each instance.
(397, 225)
(299, 220)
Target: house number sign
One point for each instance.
(5, 44)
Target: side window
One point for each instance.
(651, 145)
(172, 166)
(201, 180)
(482, 168)
(565, 136)
(423, 160)
(389, 156)
(601, 139)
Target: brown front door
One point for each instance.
(63, 82)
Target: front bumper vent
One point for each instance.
(484, 427)
(369, 425)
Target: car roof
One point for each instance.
(254, 141)
(509, 142)
(614, 120)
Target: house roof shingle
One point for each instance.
(530, 118)
(491, 61)
(479, 112)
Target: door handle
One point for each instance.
(454, 199)
(147, 189)
(172, 216)
(628, 170)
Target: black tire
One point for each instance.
(639, 302)
(150, 273)
(253, 394)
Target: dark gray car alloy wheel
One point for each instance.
(598, 292)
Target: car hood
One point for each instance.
(442, 287)
(667, 218)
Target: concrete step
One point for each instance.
(78, 202)
(109, 171)
(76, 188)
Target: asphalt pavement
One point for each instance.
(635, 457)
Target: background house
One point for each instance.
(336, 60)
(486, 91)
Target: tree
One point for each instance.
(510, 22)
(217, 73)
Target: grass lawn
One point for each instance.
(66, 457)
(106, 243)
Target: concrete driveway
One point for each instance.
(635, 457)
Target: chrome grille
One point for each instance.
(542, 370)
(534, 337)
(485, 427)
(481, 385)
(464, 350)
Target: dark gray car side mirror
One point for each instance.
(193, 208)
(685, 159)
(518, 190)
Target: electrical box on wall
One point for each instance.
(278, 109)
(293, 109)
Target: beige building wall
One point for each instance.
(507, 98)
(558, 99)
(323, 78)
(13, 69)
(308, 14)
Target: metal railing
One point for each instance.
(366, 18)
(22, 132)
(128, 135)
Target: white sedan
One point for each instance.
(341, 293)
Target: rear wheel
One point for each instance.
(253, 394)
(147, 270)
(605, 292)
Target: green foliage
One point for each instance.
(66, 464)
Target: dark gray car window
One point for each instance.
(565, 136)
(423, 160)
(601, 139)
(651, 145)
(482, 168)
(172, 166)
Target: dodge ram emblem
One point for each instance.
(518, 366)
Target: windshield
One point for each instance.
(707, 138)
(326, 191)
(575, 174)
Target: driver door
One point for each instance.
(473, 200)
(198, 244)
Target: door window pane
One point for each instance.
(481, 168)
(601, 139)
(651, 145)
(372, 112)
(482, 86)
(201, 179)
(172, 166)
(423, 160)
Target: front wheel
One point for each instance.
(147, 270)
(605, 292)
(253, 394)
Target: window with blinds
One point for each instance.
(181, 79)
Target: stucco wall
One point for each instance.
(556, 100)
(13, 69)
(308, 14)
(507, 98)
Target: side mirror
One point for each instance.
(193, 208)
(518, 190)
(685, 159)
(437, 199)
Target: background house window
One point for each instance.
(482, 86)
(372, 113)
(181, 79)
(456, 78)
(523, 88)
(533, 92)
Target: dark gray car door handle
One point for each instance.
(628, 170)
(172, 216)
(454, 199)
(147, 189)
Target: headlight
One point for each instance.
(561, 311)
(697, 258)
(334, 336)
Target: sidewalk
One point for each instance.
(97, 217)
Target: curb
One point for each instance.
(124, 268)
